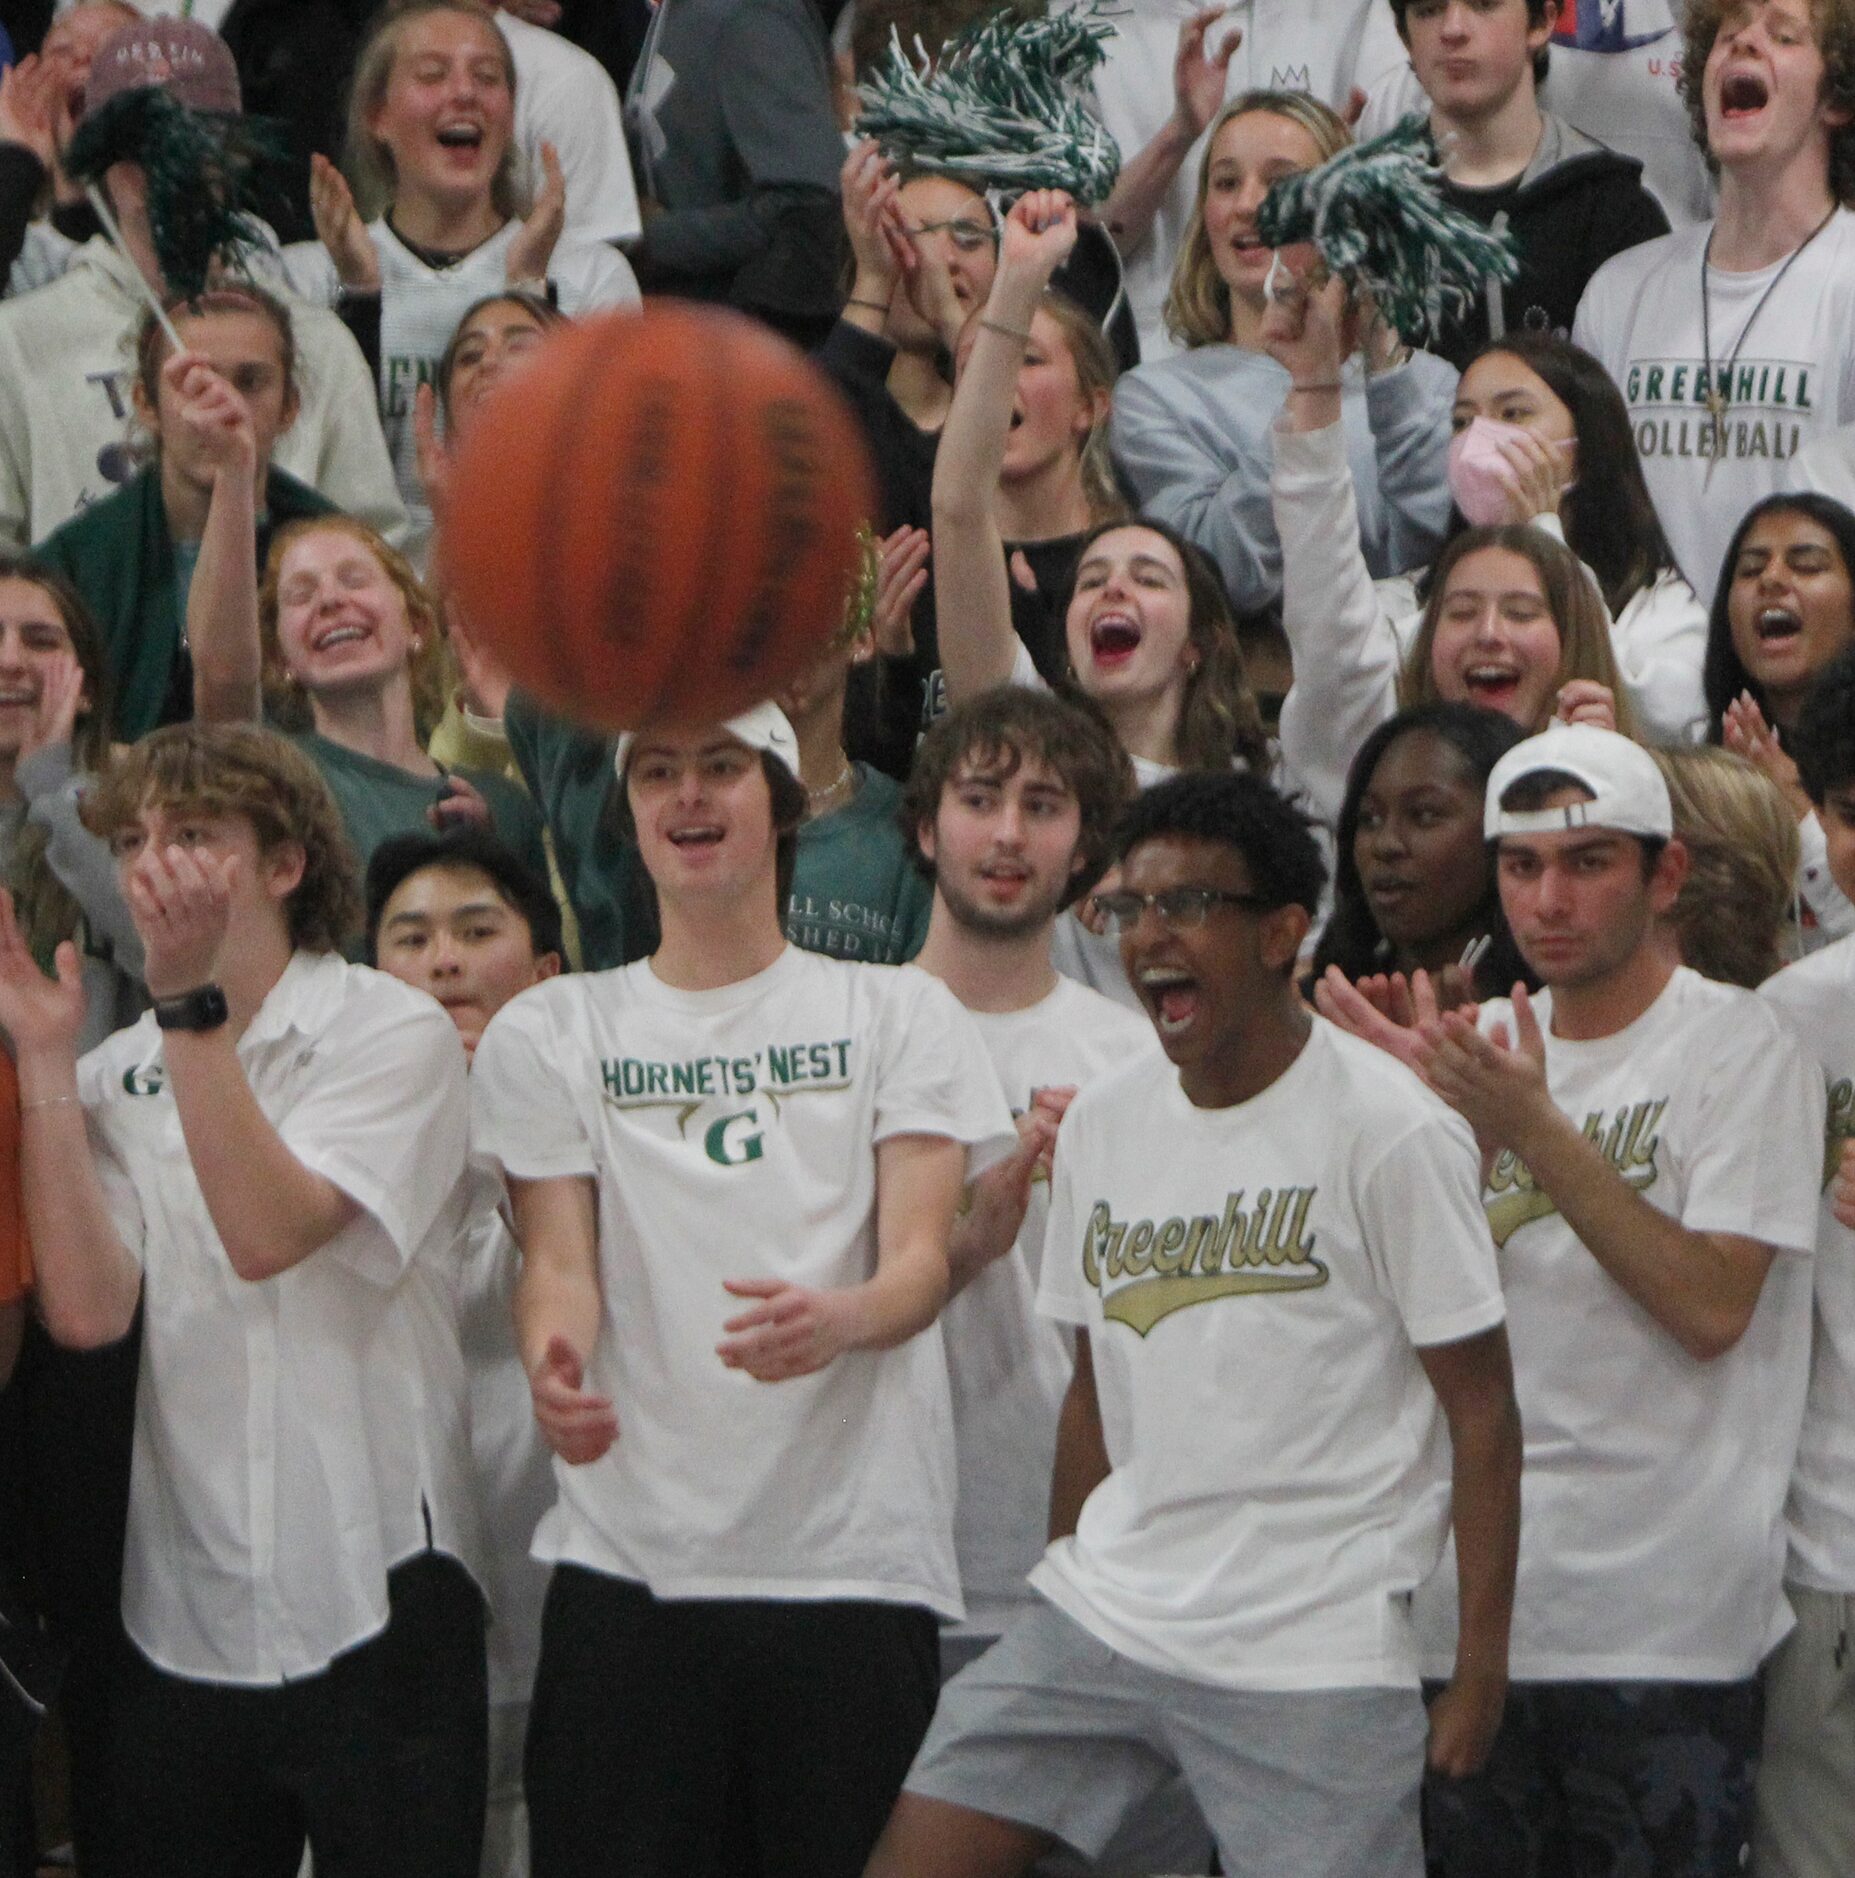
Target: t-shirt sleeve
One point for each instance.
(1421, 1212)
(1060, 1291)
(386, 1118)
(523, 1118)
(1753, 1164)
(935, 1077)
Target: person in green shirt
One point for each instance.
(132, 556)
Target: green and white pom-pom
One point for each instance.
(1002, 106)
(209, 177)
(1377, 218)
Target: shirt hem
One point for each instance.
(774, 1590)
(1460, 1324)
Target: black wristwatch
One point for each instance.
(203, 1008)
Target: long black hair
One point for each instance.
(1610, 522)
(1723, 677)
(1352, 940)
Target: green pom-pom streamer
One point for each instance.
(208, 178)
(1377, 218)
(1001, 107)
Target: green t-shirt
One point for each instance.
(379, 800)
(855, 893)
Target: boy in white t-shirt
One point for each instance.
(734, 1168)
(1654, 1159)
(1270, 1246)
(1731, 341)
(1011, 807)
(1806, 1772)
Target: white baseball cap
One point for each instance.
(766, 727)
(1628, 794)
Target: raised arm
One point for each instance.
(87, 1282)
(972, 586)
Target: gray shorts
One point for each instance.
(1053, 1730)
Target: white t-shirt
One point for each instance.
(1323, 46)
(565, 97)
(732, 1134)
(1652, 1541)
(1817, 995)
(1008, 1366)
(1793, 375)
(273, 1461)
(1255, 1282)
(420, 307)
(512, 1467)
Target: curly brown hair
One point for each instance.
(236, 769)
(1834, 22)
(1006, 727)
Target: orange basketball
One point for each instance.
(655, 520)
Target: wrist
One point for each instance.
(47, 1071)
(1014, 299)
(873, 283)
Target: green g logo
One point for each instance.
(728, 1144)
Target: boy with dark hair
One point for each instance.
(1653, 1164)
(733, 1163)
(1730, 341)
(1568, 202)
(461, 916)
(271, 1165)
(1269, 1244)
(1806, 1772)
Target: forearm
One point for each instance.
(269, 1210)
(1485, 1500)
(1081, 1463)
(556, 1297)
(222, 606)
(84, 1279)
(1141, 188)
(910, 1286)
(1689, 1282)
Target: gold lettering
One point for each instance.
(1136, 1255)
(1166, 1258)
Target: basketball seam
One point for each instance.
(548, 569)
(702, 607)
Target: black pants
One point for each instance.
(719, 1738)
(1606, 1780)
(380, 1761)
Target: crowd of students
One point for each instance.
(1184, 1214)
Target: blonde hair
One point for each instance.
(1198, 307)
(368, 162)
(427, 670)
(1572, 599)
(1096, 371)
(1735, 907)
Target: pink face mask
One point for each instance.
(1479, 473)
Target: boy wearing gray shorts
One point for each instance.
(1270, 1244)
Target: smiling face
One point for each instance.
(1790, 605)
(448, 931)
(448, 111)
(1471, 56)
(703, 813)
(1500, 387)
(1128, 627)
(493, 342)
(1762, 90)
(1496, 644)
(1249, 154)
(1418, 845)
(34, 643)
(1004, 843)
(72, 42)
(953, 223)
(342, 624)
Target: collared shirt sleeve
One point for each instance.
(386, 1117)
(524, 1120)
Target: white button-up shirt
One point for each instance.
(269, 1491)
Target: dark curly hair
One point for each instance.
(1352, 940)
(1823, 739)
(1835, 38)
(235, 769)
(1002, 728)
(1237, 811)
(1722, 675)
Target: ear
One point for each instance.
(547, 965)
(1538, 35)
(292, 410)
(1669, 877)
(282, 868)
(924, 839)
(144, 410)
(1094, 412)
(1280, 936)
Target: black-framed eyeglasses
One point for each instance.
(967, 237)
(1177, 907)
